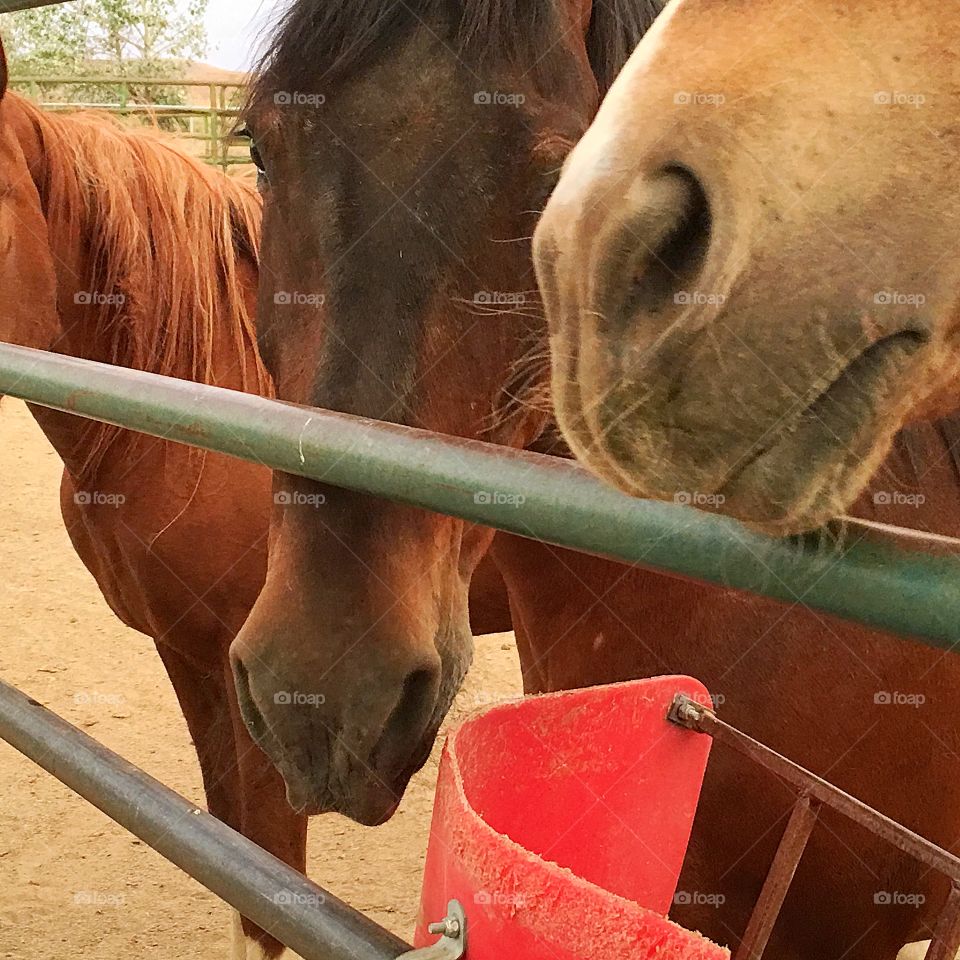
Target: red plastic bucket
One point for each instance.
(561, 825)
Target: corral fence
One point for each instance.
(208, 124)
(300, 914)
(880, 578)
(877, 580)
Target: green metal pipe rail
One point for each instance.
(543, 498)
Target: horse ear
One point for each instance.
(4, 73)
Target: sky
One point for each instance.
(232, 26)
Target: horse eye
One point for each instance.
(255, 154)
(257, 158)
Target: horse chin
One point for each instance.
(368, 797)
(371, 805)
(805, 475)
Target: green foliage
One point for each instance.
(129, 39)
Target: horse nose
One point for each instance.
(345, 737)
(403, 747)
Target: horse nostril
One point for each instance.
(252, 717)
(658, 250)
(407, 724)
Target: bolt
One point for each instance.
(447, 927)
(689, 712)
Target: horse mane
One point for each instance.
(165, 238)
(345, 36)
(616, 27)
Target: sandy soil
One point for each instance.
(72, 883)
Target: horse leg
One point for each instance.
(204, 697)
(489, 603)
(241, 787)
(204, 701)
(269, 821)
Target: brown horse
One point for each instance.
(746, 264)
(120, 248)
(395, 142)
(408, 148)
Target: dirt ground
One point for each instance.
(72, 883)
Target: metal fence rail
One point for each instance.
(283, 902)
(912, 593)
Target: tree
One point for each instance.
(131, 39)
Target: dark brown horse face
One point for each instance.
(405, 159)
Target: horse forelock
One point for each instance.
(317, 42)
(164, 238)
(616, 27)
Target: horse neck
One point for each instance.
(156, 264)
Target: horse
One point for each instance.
(355, 87)
(405, 153)
(119, 247)
(711, 183)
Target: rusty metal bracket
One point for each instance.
(814, 793)
(452, 930)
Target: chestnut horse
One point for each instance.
(120, 248)
(409, 147)
(726, 169)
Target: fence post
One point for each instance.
(223, 144)
(213, 144)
